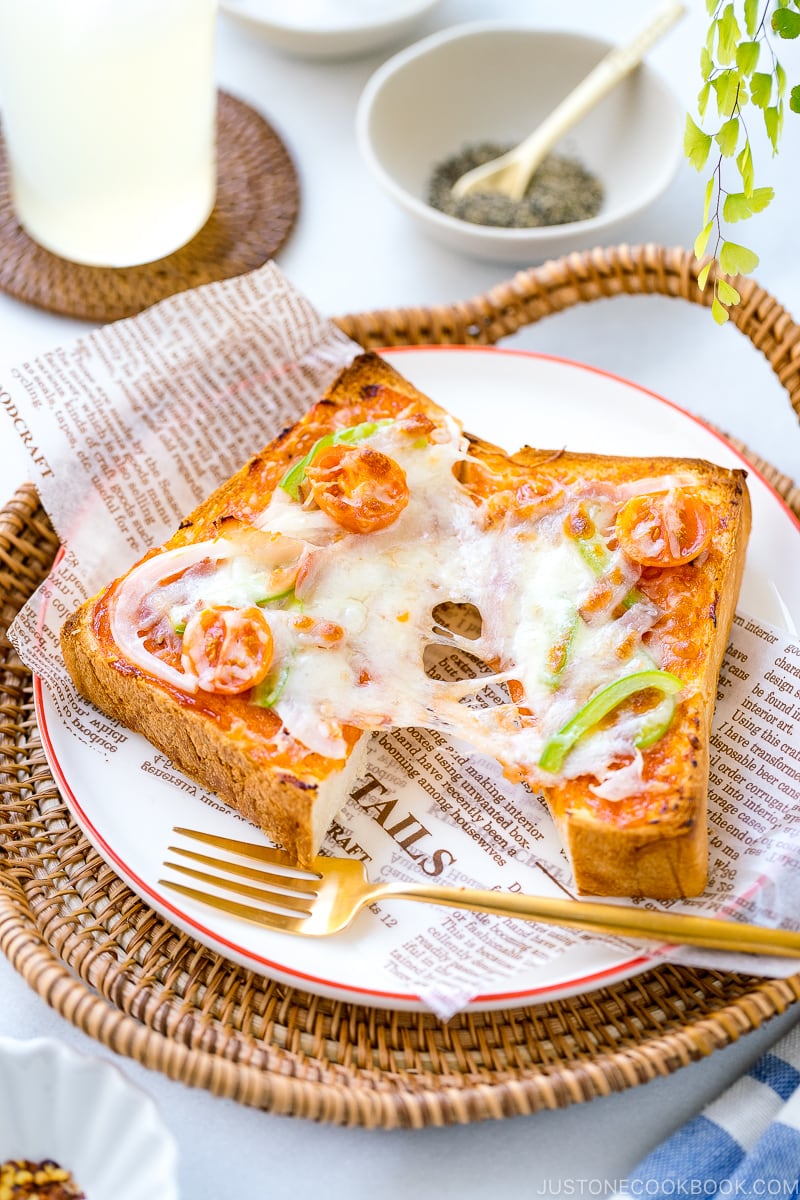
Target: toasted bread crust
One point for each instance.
(660, 849)
(654, 845)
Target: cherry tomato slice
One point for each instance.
(228, 649)
(664, 529)
(360, 488)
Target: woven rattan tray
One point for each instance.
(101, 958)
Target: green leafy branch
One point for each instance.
(743, 76)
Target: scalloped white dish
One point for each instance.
(84, 1114)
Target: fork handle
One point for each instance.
(596, 917)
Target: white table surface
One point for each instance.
(352, 250)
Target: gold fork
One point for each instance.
(326, 898)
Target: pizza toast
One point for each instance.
(288, 617)
(653, 841)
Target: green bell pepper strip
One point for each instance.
(595, 554)
(604, 702)
(265, 600)
(657, 720)
(656, 723)
(267, 693)
(562, 648)
(295, 475)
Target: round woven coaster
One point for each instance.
(255, 210)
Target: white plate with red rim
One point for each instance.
(511, 397)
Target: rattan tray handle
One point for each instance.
(578, 279)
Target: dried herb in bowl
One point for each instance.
(561, 191)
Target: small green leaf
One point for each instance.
(729, 34)
(696, 144)
(702, 99)
(719, 312)
(737, 260)
(707, 200)
(737, 207)
(710, 36)
(702, 277)
(744, 162)
(773, 123)
(761, 197)
(727, 292)
(751, 16)
(794, 99)
(786, 24)
(761, 89)
(706, 64)
(780, 77)
(728, 136)
(701, 241)
(747, 56)
(726, 87)
(711, 6)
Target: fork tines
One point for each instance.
(284, 894)
(263, 854)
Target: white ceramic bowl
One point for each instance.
(491, 81)
(329, 28)
(85, 1115)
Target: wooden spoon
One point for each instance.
(510, 173)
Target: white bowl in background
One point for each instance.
(493, 81)
(329, 28)
(84, 1114)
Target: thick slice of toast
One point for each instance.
(654, 842)
(606, 628)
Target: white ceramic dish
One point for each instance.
(547, 402)
(496, 82)
(85, 1115)
(329, 28)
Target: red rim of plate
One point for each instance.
(584, 982)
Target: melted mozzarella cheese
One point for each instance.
(528, 580)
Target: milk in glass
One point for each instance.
(108, 113)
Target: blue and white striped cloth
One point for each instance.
(745, 1143)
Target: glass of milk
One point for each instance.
(108, 113)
